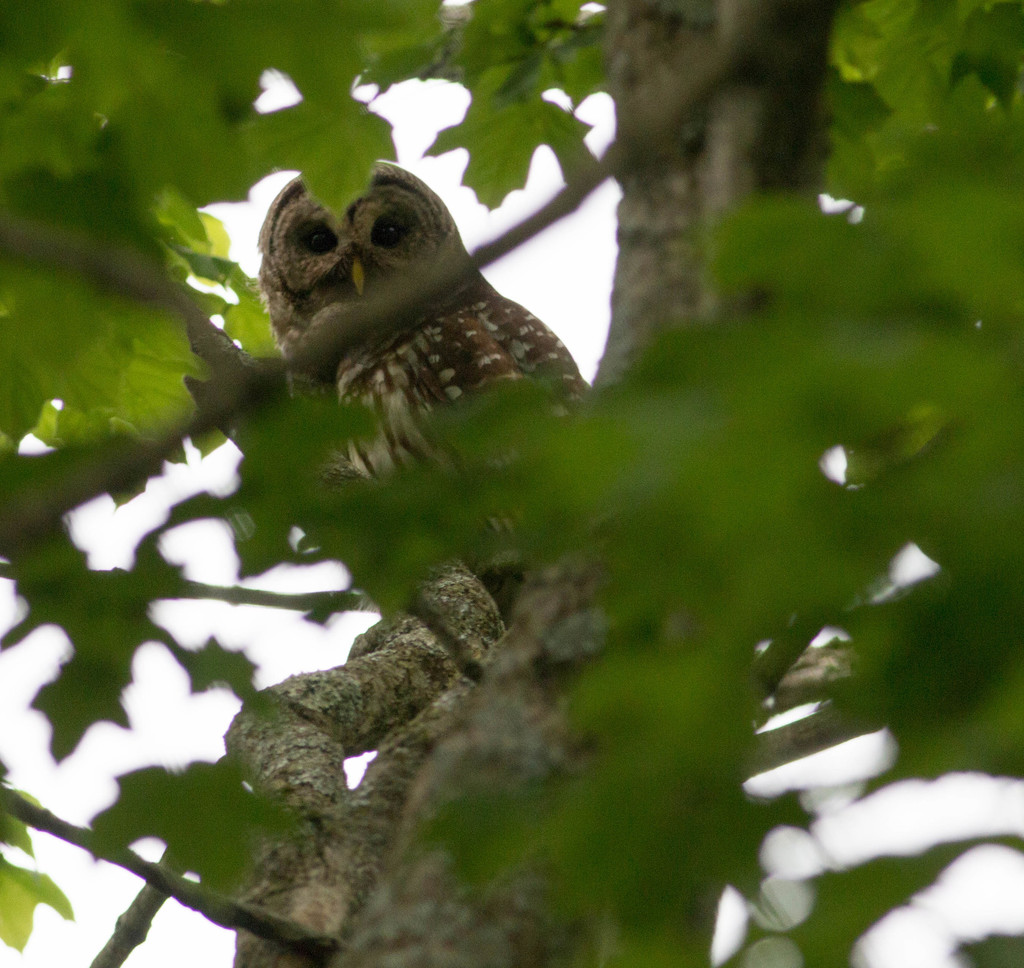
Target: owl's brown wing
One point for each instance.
(535, 351)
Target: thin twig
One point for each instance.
(325, 601)
(215, 907)
(131, 928)
(329, 601)
(34, 513)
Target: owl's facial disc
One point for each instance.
(315, 260)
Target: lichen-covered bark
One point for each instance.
(500, 734)
(393, 694)
(352, 872)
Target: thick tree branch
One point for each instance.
(217, 908)
(394, 670)
(507, 731)
(460, 613)
(353, 706)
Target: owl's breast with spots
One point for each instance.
(436, 363)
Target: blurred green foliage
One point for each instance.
(161, 803)
(22, 890)
(893, 333)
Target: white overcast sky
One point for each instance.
(564, 277)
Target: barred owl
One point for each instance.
(466, 339)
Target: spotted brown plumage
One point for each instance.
(465, 340)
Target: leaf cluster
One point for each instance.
(509, 54)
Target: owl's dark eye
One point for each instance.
(320, 239)
(386, 232)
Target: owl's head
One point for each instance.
(313, 258)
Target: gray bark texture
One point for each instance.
(761, 129)
(484, 714)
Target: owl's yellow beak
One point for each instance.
(358, 274)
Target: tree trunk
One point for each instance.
(761, 129)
